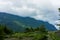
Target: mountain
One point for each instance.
(18, 23)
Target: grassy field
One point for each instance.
(28, 36)
(33, 36)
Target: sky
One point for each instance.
(46, 10)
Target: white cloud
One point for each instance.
(57, 22)
(23, 11)
(41, 17)
(5, 5)
(56, 3)
(23, 8)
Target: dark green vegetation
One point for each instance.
(33, 34)
(39, 33)
(4, 31)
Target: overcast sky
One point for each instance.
(46, 10)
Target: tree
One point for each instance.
(2, 32)
(27, 30)
(36, 29)
(30, 29)
(42, 29)
(7, 31)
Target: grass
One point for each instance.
(54, 36)
(33, 35)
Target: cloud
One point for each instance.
(55, 3)
(5, 5)
(46, 10)
(24, 10)
(57, 22)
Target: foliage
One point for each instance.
(38, 33)
(7, 31)
(4, 31)
(30, 29)
(42, 29)
(54, 36)
(1, 32)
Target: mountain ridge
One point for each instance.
(15, 22)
